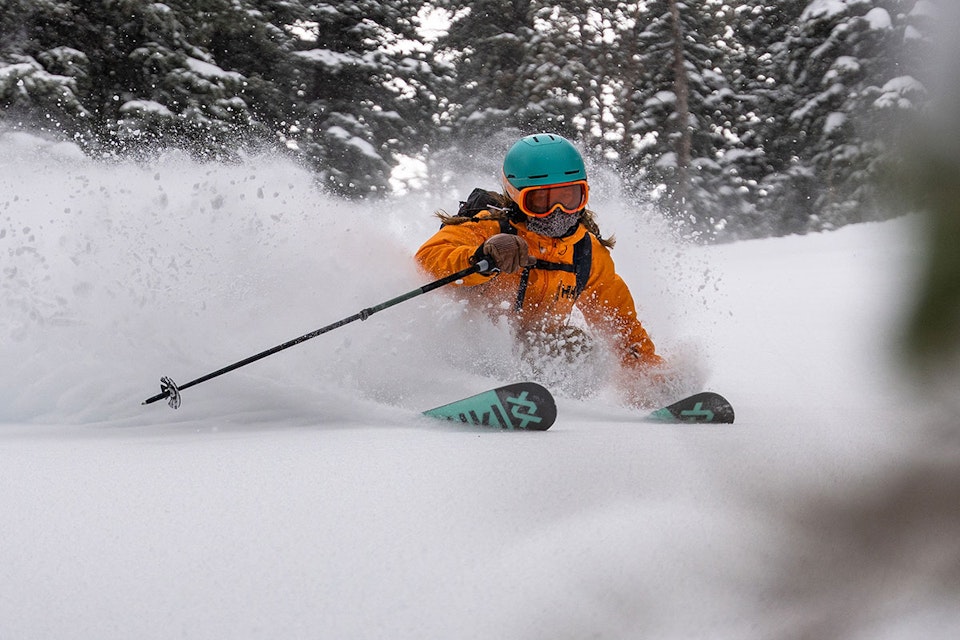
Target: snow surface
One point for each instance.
(303, 496)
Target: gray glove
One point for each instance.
(508, 252)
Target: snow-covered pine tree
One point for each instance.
(361, 92)
(39, 85)
(174, 92)
(478, 63)
(558, 77)
(677, 133)
(140, 71)
(257, 39)
(618, 69)
(765, 179)
(842, 62)
(487, 44)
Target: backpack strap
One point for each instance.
(580, 267)
(582, 261)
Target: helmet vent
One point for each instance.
(541, 175)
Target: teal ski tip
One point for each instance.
(700, 408)
(524, 406)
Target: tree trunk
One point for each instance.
(681, 87)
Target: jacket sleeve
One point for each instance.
(449, 250)
(608, 305)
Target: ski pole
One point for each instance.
(171, 391)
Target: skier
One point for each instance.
(549, 257)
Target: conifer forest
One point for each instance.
(734, 118)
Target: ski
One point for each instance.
(700, 408)
(525, 406)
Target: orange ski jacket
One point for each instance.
(573, 270)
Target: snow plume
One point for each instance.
(120, 272)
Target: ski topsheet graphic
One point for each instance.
(703, 408)
(528, 406)
(523, 405)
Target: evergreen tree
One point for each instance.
(487, 46)
(676, 134)
(139, 71)
(257, 39)
(39, 87)
(619, 67)
(478, 81)
(842, 63)
(558, 78)
(766, 191)
(361, 92)
(740, 117)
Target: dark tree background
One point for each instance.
(736, 118)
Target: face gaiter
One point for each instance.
(555, 225)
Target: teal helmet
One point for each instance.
(542, 159)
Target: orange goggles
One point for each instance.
(539, 202)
